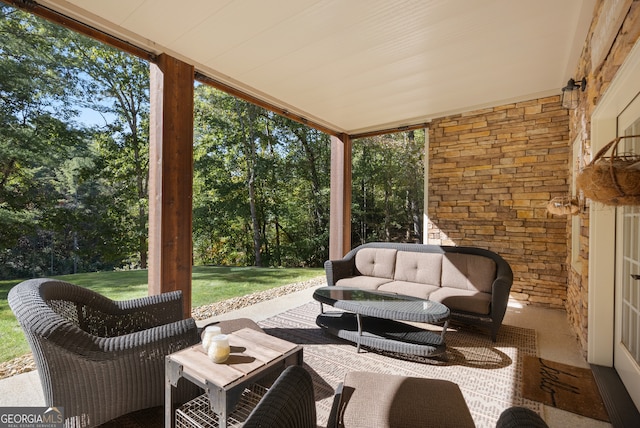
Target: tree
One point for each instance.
(247, 118)
(117, 83)
(305, 169)
(388, 177)
(60, 211)
(260, 185)
(219, 203)
(34, 135)
(75, 198)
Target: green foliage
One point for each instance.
(388, 188)
(72, 199)
(36, 137)
(33, 87)
(117, 84)
(247, 156)
(75, 199)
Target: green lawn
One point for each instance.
(210, 284)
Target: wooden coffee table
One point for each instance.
(374, 319)
(254, 355)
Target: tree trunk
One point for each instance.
(251, 160)
(315, 180)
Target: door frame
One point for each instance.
(602, 219)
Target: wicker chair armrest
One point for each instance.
(132, 315)
(338, 269)
(289, 403)
(155, 342)
(179, 333)
(335, 407)
(157, 309)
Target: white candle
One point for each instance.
(209, 333)
(219, 349)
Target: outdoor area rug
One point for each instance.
(566, 387)
(489, 374)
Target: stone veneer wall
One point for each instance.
(598, 80)
(491, 174)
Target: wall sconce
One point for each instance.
(570, 93)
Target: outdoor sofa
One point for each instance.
(474, 283)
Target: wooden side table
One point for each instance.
(254, 355)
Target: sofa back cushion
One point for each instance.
(379, 262)
(468, 272)
(423, 268)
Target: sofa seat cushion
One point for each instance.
(379, 262)
(463, 300)
(425, 268)
(468, 272)
(363, 281)
(385, 401)
(407, 288)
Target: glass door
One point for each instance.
(627, 294)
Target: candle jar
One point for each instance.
(219, 348)
(209, 333)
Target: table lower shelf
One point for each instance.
(383, 334)
(197, 413)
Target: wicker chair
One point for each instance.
(98, 358)
(520, 417)
(289, 403)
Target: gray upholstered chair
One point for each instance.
(392, 401)
(366, 400)
(98, 358)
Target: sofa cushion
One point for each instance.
(362, 281)
(468, 272)
(379, 262)
(414, 289)
(457, 299)
(425, 268)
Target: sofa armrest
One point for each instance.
(338, 269)
(500, 296)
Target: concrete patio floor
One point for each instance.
(556, 342)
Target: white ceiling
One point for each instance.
(361, 65)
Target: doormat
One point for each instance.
(566, 387)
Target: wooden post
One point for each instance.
(340, 205)
(425, 206)
(171, 177)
